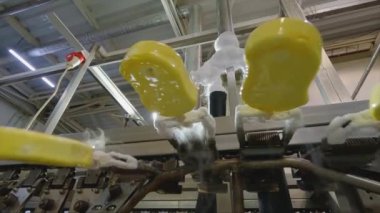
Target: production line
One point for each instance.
(234, 137)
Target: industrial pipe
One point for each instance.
(236, 164)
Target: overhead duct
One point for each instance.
(89, 38)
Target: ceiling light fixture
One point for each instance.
(48, 82)
(29, 66)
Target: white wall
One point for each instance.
(350, 71)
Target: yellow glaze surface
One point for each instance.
(374, 103)
(158, 75)
(39, 148)
(283, 57)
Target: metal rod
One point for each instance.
(92, 86)
(65, 32)
(66, 97)
(222, 165)
(98, 72)
(193, 55)
(173, 16)
(116, 94)
(233, 96)
(366, 72)
(224, 20)
(237, 196)
(46, 71)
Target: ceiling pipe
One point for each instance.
(13, 10)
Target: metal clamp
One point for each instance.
(267, 143)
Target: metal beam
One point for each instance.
(18, 103)
(377, 41)
(87, 14)
(23, 7)
(73, 124)
(225, 24)
(173, 16)
(51, 70)
(189, 40)
(25, 33)
(21, 87)
(138, 141)
(92, 86)
(193, 55)
(92, 111)
(66, 97)
(117, 94)
(224, 16)
(65, 32)
(98, 73)
(328, 81)
(333, 7)
(207, 36)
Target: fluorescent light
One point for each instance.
(31, 67)
(48, 82)
(22, 60)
